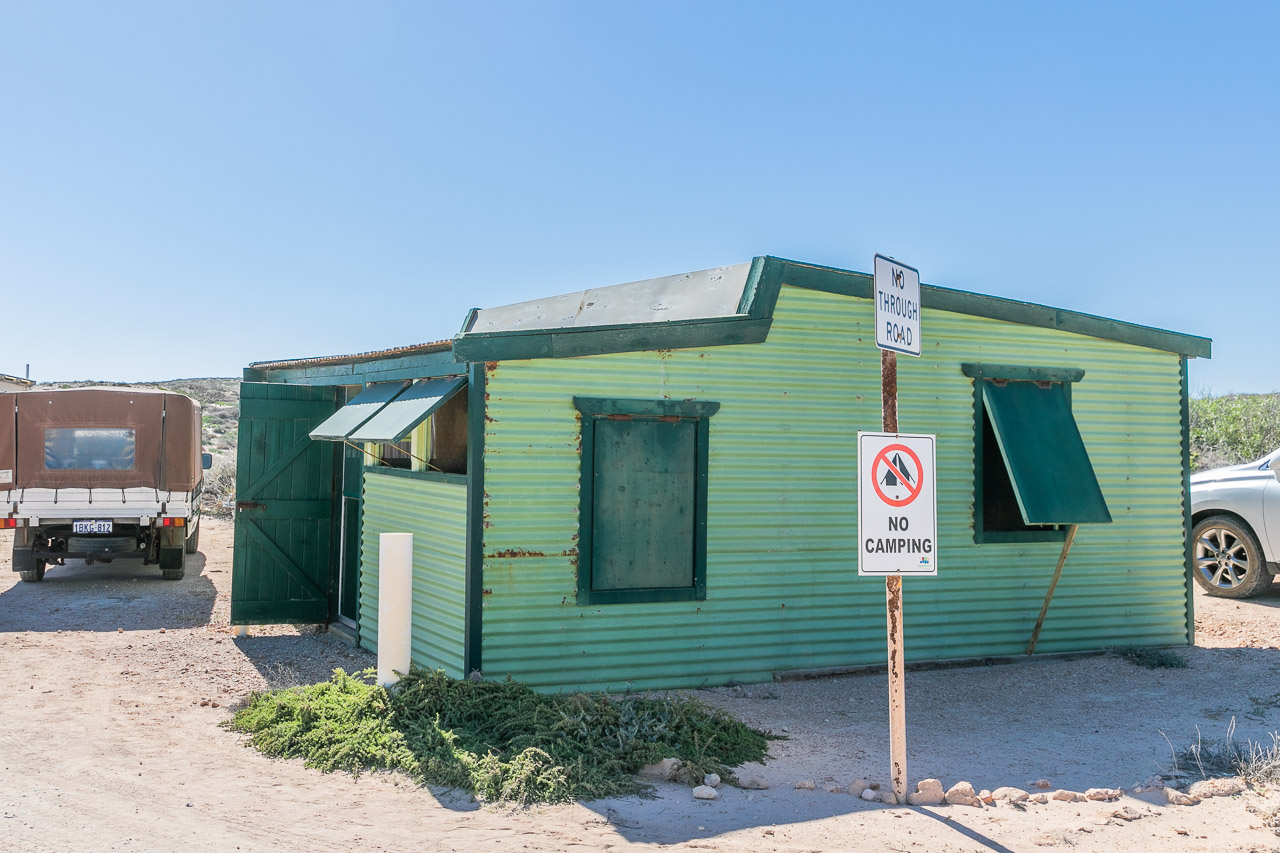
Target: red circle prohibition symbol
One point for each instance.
(883, 456)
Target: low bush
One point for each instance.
(1233, 429)
(497, 739)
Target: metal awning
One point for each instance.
(1044, 454)
(397, 418)
(359, 409)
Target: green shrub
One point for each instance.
(1233, 429)
(497, 739)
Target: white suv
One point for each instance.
(1236, 535)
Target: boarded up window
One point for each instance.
(642, 517)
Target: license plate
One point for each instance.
(91, 527)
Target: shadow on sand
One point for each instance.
(106, 596)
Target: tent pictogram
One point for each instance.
(890, 478)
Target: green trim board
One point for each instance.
(432, 476)
(643, 500)
(357, 411)
(1044, 455)
(400, 416)
(473, 623)
(355, 369)
(1021, 373)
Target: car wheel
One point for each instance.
(1228, 559)
(193, 541)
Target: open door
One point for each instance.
(284, 506)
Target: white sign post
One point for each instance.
(897, 298)
(896, 293)
(897, 505)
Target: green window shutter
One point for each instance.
(359, 409)
(399, 417)
(642, 519)
(1043, 453)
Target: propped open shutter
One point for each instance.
(399, 417)
(1044, 454)
(284, 506)
(359, 409)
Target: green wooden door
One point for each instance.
(284, 506)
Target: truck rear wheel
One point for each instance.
(34, 575)
(193, 541)
(173, 563)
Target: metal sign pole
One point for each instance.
(893, 606)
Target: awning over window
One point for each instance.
(1044, 454)
(398, 418)
(359, 409)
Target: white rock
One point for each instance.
(1217, 787)
(1009, 794)
(711, 780)
(1127, 813)
(1102, 794)
(928, 792)
(1040, 798)
(705, 792)
(1068, 796)
(835, 789)
(1042, 784)
(888, 797)
(986, 797)
(962, 794)
(1177, 798)
(664, 769)
(804, 785)
(870, 795)
(753, 783)
(857, 786)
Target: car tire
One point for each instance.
(193, 541)
(172, 574)
(1227, 559)
(34, 575)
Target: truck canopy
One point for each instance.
(113, 438)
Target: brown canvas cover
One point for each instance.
(166, 431)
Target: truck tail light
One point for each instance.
(173, 522)
(10, 523)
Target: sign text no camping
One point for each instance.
(897, 504)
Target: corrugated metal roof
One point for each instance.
(374, 355)
(700, 295)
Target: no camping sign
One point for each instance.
(897, 504)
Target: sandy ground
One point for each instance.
(113, 683)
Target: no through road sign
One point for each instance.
(897, 505)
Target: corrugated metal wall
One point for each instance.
(435, 513)
(782, 585)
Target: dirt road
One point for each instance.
(113, 683)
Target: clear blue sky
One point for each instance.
(188, 187)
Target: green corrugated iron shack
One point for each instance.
(653, 484)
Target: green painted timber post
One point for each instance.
(473, 622)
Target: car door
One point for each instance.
(1271, 511)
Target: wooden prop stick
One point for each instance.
(893, 607)
(1053, 584)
